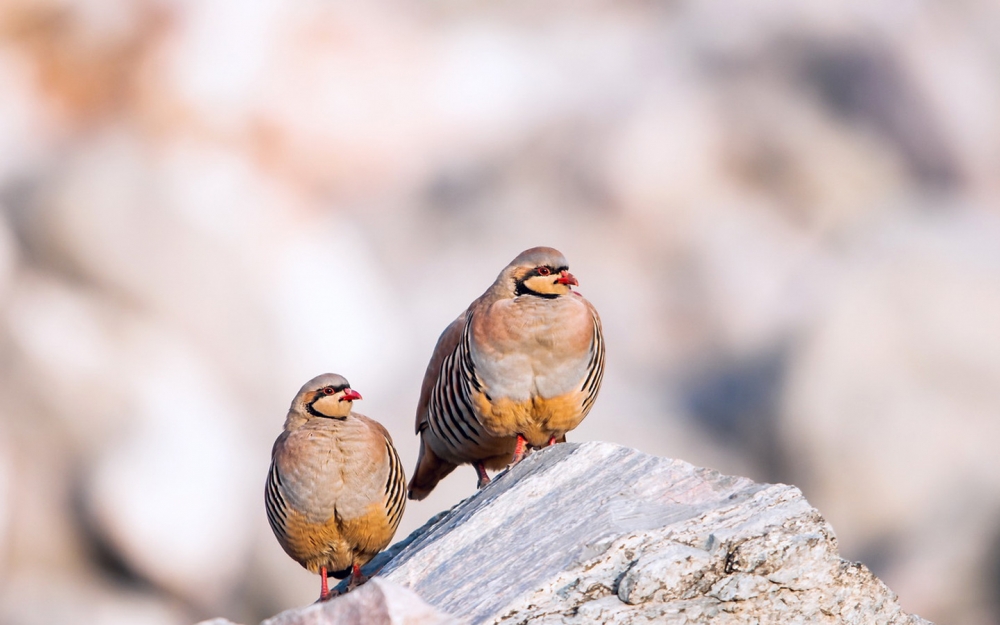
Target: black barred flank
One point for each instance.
(468, 367)
(595, 367)
(449, 412)
(450, 406)
(441, 413)
(395, 486)
(274, 503)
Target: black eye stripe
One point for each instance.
(336, 389)
(521, 289)
(557, 270)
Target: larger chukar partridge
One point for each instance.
(523, 364)
(336, 490)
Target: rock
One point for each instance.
(378, 602)
(596, 532)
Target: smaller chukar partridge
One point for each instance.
(521, 366)
(336, 490)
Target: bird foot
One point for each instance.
(484, 478)
(330, 594)
(356, 578)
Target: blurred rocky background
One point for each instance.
(787, 213)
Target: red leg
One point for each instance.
(484, 479)
(324, 590)
(518, 450)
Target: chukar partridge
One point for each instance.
(336, 490)
(523, 364)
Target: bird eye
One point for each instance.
(544, 271)
(328, 390)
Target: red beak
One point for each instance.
(565, 277)
(350, 395)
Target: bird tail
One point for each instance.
(430, 470)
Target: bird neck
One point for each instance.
(523, 289)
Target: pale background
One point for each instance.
(787, 213)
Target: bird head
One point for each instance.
(541, 272)
(328, 396)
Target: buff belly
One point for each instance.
(337, 544)
(537, 419)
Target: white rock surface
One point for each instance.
(378, 602)
(596, 532)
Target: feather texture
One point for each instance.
(525, 359)
(335, 492)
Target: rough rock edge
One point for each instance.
(748, 551)
(669, 542)
(378, 602)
